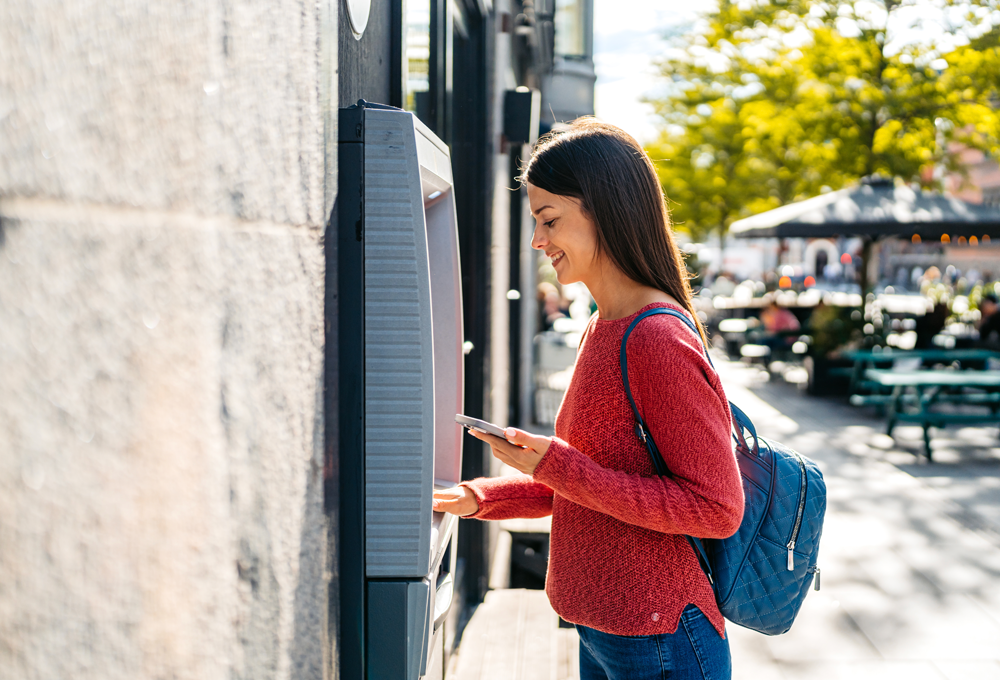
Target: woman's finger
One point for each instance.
(523, 459)
(497, 442)
(538, 443)
(503, 456)
(505, 451)
(494, 441)
(441, 504)
(486, 437)
(520, 456)
(457, 500)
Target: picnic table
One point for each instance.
(915, 394)
(866, 359)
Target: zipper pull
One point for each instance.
(816, 579)
(791, 556)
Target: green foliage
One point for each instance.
(834, 329)
(770, 102)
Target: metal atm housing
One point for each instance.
(401, 383)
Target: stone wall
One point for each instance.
(165, 179)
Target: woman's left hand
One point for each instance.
(521, 450)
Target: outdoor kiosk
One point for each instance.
(401, 384)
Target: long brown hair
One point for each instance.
(609, 173)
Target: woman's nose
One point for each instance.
(537, 240)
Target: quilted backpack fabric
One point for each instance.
(762, 573)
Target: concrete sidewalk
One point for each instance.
(910, 555)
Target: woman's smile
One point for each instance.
(564, 229)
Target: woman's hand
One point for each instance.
(458, 500)
(521, 450)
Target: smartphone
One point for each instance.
(481, 425)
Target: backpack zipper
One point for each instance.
(798, 515)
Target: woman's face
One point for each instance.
(566, 234)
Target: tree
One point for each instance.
(772, 102)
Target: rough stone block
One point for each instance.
(160, 446)
(214, 108)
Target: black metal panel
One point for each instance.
(387, 621)
(514, 415)
(472, 160)
(331, 423)
(518, 125)
(440, 67)
(351, 341)
(397, 54)
(365, 65)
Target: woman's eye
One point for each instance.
(550, 223)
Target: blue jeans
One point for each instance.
(694, 652)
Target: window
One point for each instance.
(418, 56)
(570, 28)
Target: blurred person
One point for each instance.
(989, 322)
(620, 567)
(930, 324)
(776, 319)
(544, 288)
(551, 305)
(778, 322)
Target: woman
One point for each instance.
(619, 565)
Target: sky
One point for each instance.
(628, 35)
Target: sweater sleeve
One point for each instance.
(510, 497)
(685, 408)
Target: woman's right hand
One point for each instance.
(458, 500)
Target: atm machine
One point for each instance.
(401, 383)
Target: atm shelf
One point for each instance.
(515, 635)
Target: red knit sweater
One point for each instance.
(618, 560)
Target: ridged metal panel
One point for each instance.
(399, 365)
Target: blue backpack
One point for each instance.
(761, 574)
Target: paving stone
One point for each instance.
(875, 670)
(512, 636)
(965, 670)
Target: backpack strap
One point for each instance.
(740, 419)
(642, 431)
